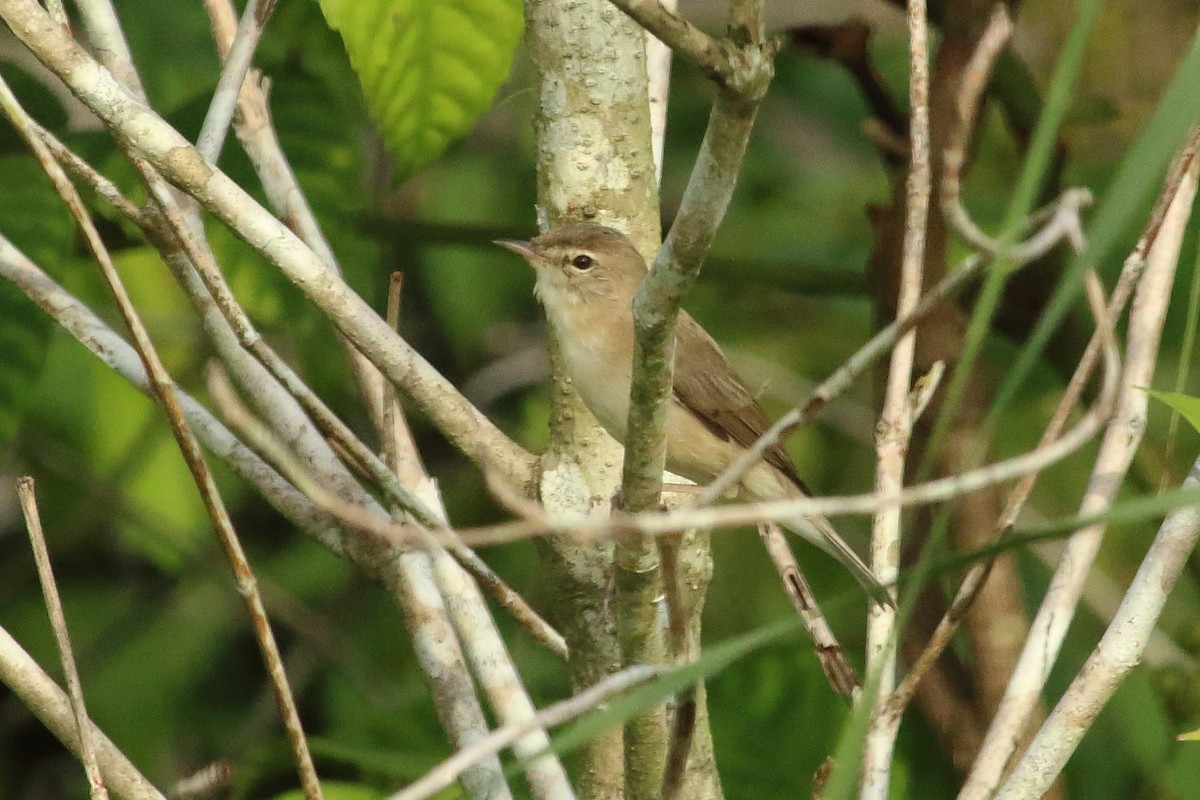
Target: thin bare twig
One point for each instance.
(735, 515)
(202, 783)
(975, 78)
(1116, 453)
(718, 58)
(102, 186)
(51, 705)
(233, 74)
(103, 342)
(151, 138)
(186, 439)
(272, 400)
(477, 631)
(842, 378)
(445, 773)
(841, 676)
(58, 622)
(1118, 652)
(896, 420)
(977, 575)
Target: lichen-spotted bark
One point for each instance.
(595, 162)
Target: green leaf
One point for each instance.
(1190, 736)
(1185, 405)
(428, 70)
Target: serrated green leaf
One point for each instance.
(428, 70)
(1187, 406)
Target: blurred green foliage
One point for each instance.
(167, 660)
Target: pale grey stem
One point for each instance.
(256, 131)
(586, 700)
(104, 31)
(842, 378)
(276, 393)
(499, 679)
(233, 74)
(1102, 340)
(1112, 462)
(737, 515)
(711, 55)
(114, 351)
(462, 717)
(273, 402)
(441, 657)
(658, 72)
(58, 622)
(477, 631)
(975, 77)
(408, 577)
(51, 705)
(896, 421)
(1118, 652)
(82, 170)
(174, 157)
(168, 396)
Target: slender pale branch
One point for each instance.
(408, 576)
(1118, 652)
(481, 640)
(150, 137)
(841, 676)
(50, 704)
(1112, 462)
(169, 400)
(233, 74)
(58, 621)
(714, 56)
(736, 515)
(179, 216)
(896, 419)
(582, 702)
(1102, 341)
(74, 317)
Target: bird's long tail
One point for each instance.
(820, 531)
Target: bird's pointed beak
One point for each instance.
(522, 248)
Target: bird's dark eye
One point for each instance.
(582, 262)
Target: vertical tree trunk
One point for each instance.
(595, 162)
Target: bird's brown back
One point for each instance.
(719, 398)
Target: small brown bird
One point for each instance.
(587, 276)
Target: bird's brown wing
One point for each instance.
(707, 385)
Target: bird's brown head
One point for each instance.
(582, 263)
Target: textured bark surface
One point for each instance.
(595, 163)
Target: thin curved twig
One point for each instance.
(189, 446)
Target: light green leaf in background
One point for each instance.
(428, 69)
(1187, 406)
(1190, 736)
